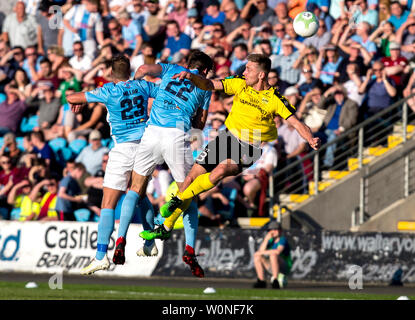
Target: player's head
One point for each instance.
(120, 67)
(257, 69)
(200, 61)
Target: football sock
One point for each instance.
(105, 228)
(190, 224)
(190, 249)
(170, 221)
(127, 212)
(200, 184)
(147, 217)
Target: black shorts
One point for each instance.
(226, 146)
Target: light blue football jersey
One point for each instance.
(177, 101)
(126, 103)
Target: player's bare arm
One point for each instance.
(77, 101)
(305, 132)
(199, 120)
(200, 82)
(148, 69)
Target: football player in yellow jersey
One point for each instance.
(251, 121)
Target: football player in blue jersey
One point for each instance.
(126, 101)
(178, 107)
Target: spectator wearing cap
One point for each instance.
(309, 81)
(91, 155)
(284, 63)
(364, 13)
(395, 64)
(327, 63)
(43, 99)
(10, 147)
(176, 41)
(321, 38)
(213, 14)
(20, 29)
(398, 14)
(406, 37)
(192, 18)
(261, 9)
(233, 19)
(12, 109)
(342, 114)
(273, 256)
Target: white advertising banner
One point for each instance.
(51, 247)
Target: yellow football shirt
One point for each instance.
(252, 115)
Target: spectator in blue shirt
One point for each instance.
(69, 198)
(240, 53)
(176, 41)
(213, 14)
(44, 151)
(364, 13)
(327, 64)
(398, 14)
(131, 32)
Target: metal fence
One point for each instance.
(353, 148)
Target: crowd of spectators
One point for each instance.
(52, 161)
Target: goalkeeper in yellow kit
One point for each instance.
(251, 121)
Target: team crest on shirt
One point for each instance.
(264, 100)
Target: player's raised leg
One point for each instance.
(147, 217)
(105, 229)
(135, 194)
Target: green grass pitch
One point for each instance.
(17, 291)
